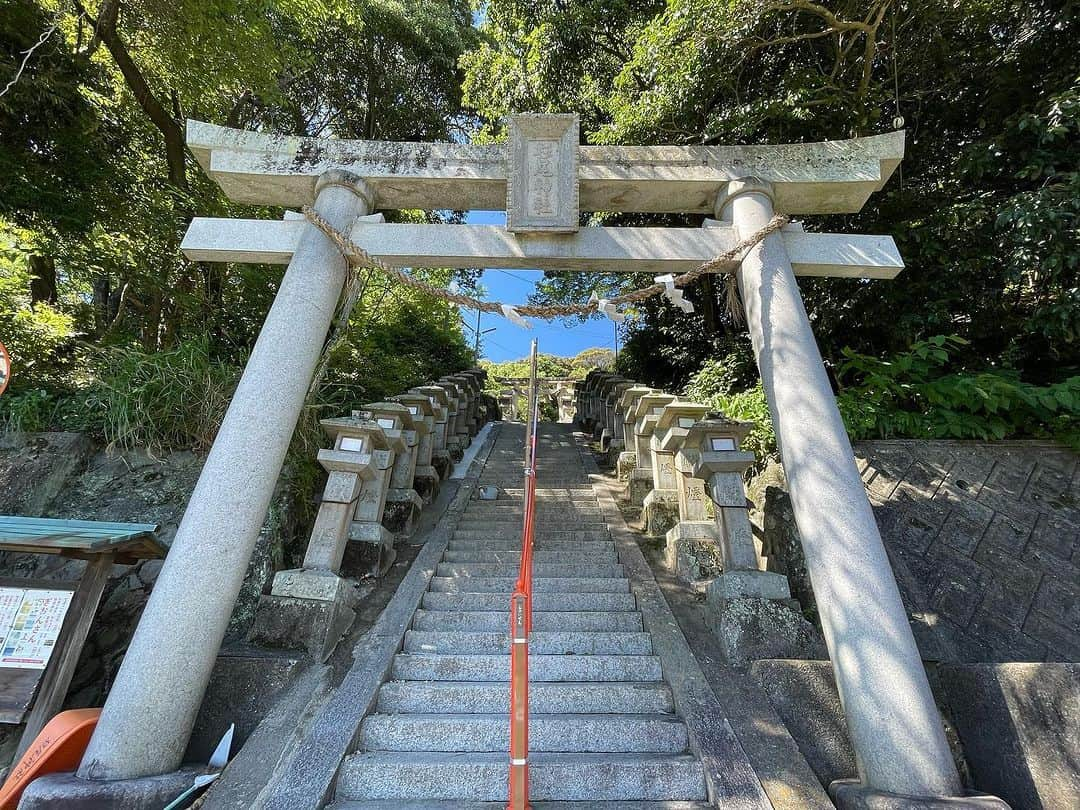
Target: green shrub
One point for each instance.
(28, 411)
(917, 395)
(714, 385)
(33, 333)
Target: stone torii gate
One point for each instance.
(559, 390)
(544, 180)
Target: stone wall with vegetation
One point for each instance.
(65, 475)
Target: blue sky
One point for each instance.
(509, 342)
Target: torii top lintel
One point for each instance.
(811, 178)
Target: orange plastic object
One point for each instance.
(58, 748)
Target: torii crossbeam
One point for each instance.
(544, 180)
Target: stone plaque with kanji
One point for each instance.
(542, 176)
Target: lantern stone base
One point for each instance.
(748, 584)
(455, 449)
(850, 794)
(625, 465)
(660, 511)
(377, 544)
(306, 610)
(639, 486)
(692, 551)
(605, 440)
(402, 509)
(321, 585)
(443, 465)
(426, 483)
(72, 793)
(752, 615)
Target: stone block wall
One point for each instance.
(985, 542)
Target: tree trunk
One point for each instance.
(42, 279)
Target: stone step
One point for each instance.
(449, 697)
(540, 534)
(543, 491)
(435, 804)
(427, 667)
(483, 776)
(505, 585)
(550, 621)
(471, 570)
(559, 523)
(552, 507)
(513, 544)
(541, 554)
(551, 600)
(584, 733)
(442, 642)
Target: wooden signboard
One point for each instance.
(32, 614)
(45, 623)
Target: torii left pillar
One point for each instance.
(151, 708)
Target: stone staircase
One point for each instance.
(602, 723)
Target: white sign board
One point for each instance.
(30, 621)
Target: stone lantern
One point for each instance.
(747, 608)
(403, 504)
(612, 435)
(386, 444)
(624, 422)
(646, 414)
(692, 546)
(311, 607)
(660, 509)
(602, 428)
(463, 418)
(425, 478)
(440, 405)
(455, 444)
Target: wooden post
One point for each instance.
(69, 644)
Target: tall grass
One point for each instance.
(156, 400)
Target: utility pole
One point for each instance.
(477, 349)
(615, 327)
(477, 331)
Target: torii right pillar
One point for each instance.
(894, 725)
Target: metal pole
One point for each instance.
(521, 616)
(477, 348)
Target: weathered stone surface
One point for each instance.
(984, 539)
(738, 584)
(691, 551)
(751, 629)
(270, 169)
(782, 548)
(35, 468)
(660, 512)
(72, 793)
(401, 511)
(1020, 728)
(804, 695)
(849, 794)
(244, 686)
(313, 625)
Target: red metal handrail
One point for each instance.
(521, 615)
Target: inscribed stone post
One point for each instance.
(425, 478)
(660, 510)
(403, 504)
(646, 414)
